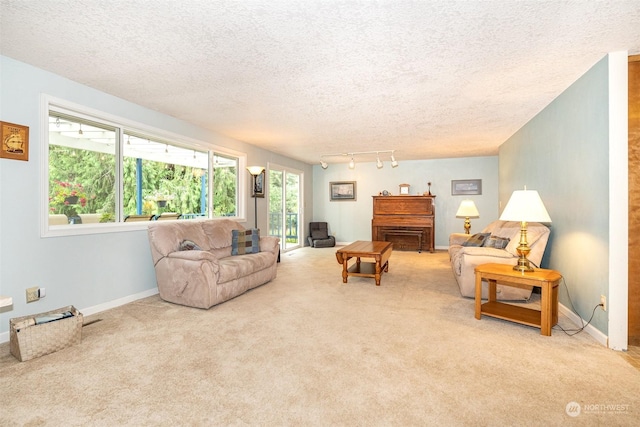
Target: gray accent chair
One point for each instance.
(319, 235)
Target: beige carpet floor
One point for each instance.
(307, 349)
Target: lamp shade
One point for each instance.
(255, 170)
(467, 209)
(525, 206)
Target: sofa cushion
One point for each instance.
(476, 240)
(245, 241)
(319, 234)
(237, 267)
(218, 232)
(496, 242)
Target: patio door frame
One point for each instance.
(301, 221)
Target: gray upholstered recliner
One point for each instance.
(319, 235)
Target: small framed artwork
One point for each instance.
(258, 191)
(404, 189)
(466, 187)
(343, 190)
(15, 141)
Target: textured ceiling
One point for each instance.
(429, 79)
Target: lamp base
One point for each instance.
(523, 265)
(467, 225)
(523, 250)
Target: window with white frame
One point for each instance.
(101, 171)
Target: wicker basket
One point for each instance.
(28, 340)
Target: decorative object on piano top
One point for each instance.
(404, 189)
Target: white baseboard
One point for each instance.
(4, 337)
(117, 303)
(595, 333)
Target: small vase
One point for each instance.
(162, 203)
(71, 200)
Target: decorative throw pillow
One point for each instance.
(496, 242)
(245, 241)
(319, 234)
(188, 245)
(476, 240)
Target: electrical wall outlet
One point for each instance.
(32, 294)
(603, 301)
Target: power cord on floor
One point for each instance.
(572, 332)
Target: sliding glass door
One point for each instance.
(285, 201)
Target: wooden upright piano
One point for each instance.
(406, 221)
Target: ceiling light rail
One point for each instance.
(353, 154)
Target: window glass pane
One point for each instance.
(163, 178)
(94, 178)
(81, 171)
(225, 185)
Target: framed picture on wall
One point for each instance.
(342, 190)
(14, 140)
(466, 187)
(258, 191)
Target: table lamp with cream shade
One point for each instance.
(467, 210)
(524, 206)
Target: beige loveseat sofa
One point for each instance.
(195, 266)
(464, 259)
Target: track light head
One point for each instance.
(379, 164)
(352, 163)
(324, 164)
(394, 163)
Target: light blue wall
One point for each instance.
(88, 270)
(350, 221)
(563, 153)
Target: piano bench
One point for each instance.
(417, 233)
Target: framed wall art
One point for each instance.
(466, 187)
(342, 190)
(15, 141)
(258, 191)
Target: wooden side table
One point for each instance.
(547, 280)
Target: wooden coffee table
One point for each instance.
(379, 251)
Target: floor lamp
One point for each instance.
(255, 171)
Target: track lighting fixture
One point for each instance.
(352, 155)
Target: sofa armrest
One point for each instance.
(458, 238)
(270, 244)
(484, 252)
(193, 256)
(468, 257)
(178, 257)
